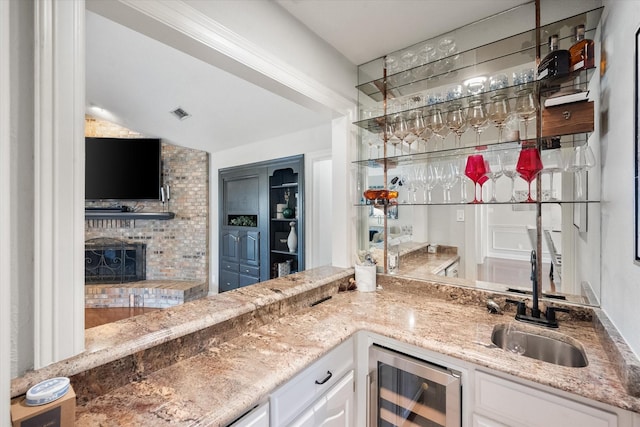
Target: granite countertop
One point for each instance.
(219, 383)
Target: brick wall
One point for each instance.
(177, 249)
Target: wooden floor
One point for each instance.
(99, 316)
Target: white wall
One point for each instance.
(620, 276)
(22, 187)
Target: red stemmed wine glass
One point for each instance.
(475, 170)
(529, 164)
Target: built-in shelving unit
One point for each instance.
(286, 216)
(253, 234)
(409, 82)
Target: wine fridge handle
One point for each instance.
(369, 405)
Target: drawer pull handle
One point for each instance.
(566, 115)
(325, 379)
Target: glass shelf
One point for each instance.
(576, 80)
(504, 43)
(447, 153)
(487, 59)
(532, 204)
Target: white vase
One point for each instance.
(292, 240)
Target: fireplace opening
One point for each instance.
(114, 261)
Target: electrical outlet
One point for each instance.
(460, 215)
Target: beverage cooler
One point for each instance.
(404, 391)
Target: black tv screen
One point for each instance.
(122, 169)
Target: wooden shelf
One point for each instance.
(129, 215)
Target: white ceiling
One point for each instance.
(363, 30)
(136, 81)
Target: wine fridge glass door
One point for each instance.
(409, 391)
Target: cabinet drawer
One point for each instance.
(293, 397)
(258, 417)
(228, 280)
(566, 119)
(249, 270)
(247, 280)
(516, 404)
(229, 266)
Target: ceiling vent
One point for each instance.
(180, 113)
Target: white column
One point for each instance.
(59, 180)
(5, 220)
(344, 231)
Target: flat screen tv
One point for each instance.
(122, 169)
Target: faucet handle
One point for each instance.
(521, 306)
(550, 313)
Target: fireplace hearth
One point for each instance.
(113, 261)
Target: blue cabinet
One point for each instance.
(252, 239)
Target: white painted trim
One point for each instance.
(5, 220)
(59, 180)
(196, 25)
(312, 232)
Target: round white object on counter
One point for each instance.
(47, 391)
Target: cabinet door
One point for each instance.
(229, 244)
(259, 417)
(249, 243)
(247, 280)
(480, 421)
(518, 405)
(333, 409)
(228, 280)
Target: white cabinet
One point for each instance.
(259, 417)
(480, 421)
(307, 389)
(515, 405)
(334, 409)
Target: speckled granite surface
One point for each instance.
(227, 377)
(136, 346)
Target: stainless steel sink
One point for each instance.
(551, 347)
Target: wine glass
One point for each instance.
(400, 130)
(448, 54)
(516, 342)
(418, 179)
(494, 171)
(456, 118)
(426, 55)
(430, 181)
(438, 125)
(499, 112)
(552, 162)
(457, 122)
(427, 133)
(477, 117)
(581, 159)
(408, 60)
(529, 164)
(416, 127)
(509, 163)
(526, 107)
(460, 163)
(448, 176)
(475, 170)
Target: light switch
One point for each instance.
(460, 215)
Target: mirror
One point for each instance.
(439, 231)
